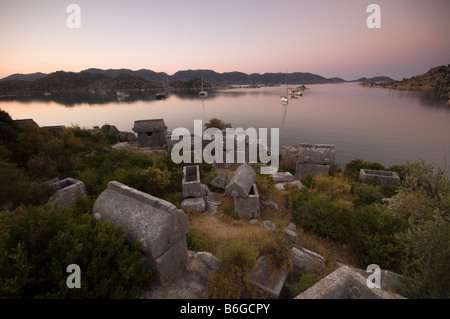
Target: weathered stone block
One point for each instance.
(68, 191)
(242, 181)
(193, 205)
(191, 185)
(304, 260)
(344, 283)
(261, 277)
(280, 177)
(151, 133)
(303, 170)
(221, 181)
(384, 177)
(314, 159)
(157, 224)
(323, 154)
(248, 207)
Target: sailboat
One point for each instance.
(202, 93)
(284, 98)
(162, 95)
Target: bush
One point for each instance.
(306, 281)
(199, 241)
(16, 188)
(230, 282)
(324, 216)
(373, 237)
(38, 243)
(366, 194)
(333, 187)
(428, 260)
(238, 254)
(265, 185)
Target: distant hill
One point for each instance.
(375, 79)
(62, 81)
(239, 78)
(126, 79)
(437, 78)
(25, 77)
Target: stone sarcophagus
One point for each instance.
(158, 225)
(314, 159)
(382, 177)
(151, 133)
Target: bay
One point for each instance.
(375, 124)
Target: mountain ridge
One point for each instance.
(210, 76)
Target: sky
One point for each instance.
(329, 38)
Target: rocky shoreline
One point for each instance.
(437, 78)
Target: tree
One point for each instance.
(424, 199)
(214, 122)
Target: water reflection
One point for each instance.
(71, 99)
(387, 126)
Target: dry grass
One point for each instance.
(223, 230)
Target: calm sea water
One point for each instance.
(381, 125)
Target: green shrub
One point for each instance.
(373, 236)
(265, 186)
(199, 241)
(237, 254)
(366, 194)
(38, 243)
(324, 216)
(333, 187)
(211, 175)
(306, 281)
(295, 198)
(428, 260)
(16, 188)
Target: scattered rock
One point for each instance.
(280, 177)
(194, 282)
(288, 185)
(291, 235)
(291, 226)
(122, 136)
(304, 260)
(212, 204)
(264, 281)
(68, 191)
(268, 204)
(193, 205)
(269, 225)
(221, 181)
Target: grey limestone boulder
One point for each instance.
(268, 224)
(221, 181)
(157, 224)
(261, 277)
(345, 283)
(68, 191)
(304, 260)
(242, 181)
(280, 177)
(193, 205)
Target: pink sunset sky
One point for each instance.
(329, 38)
